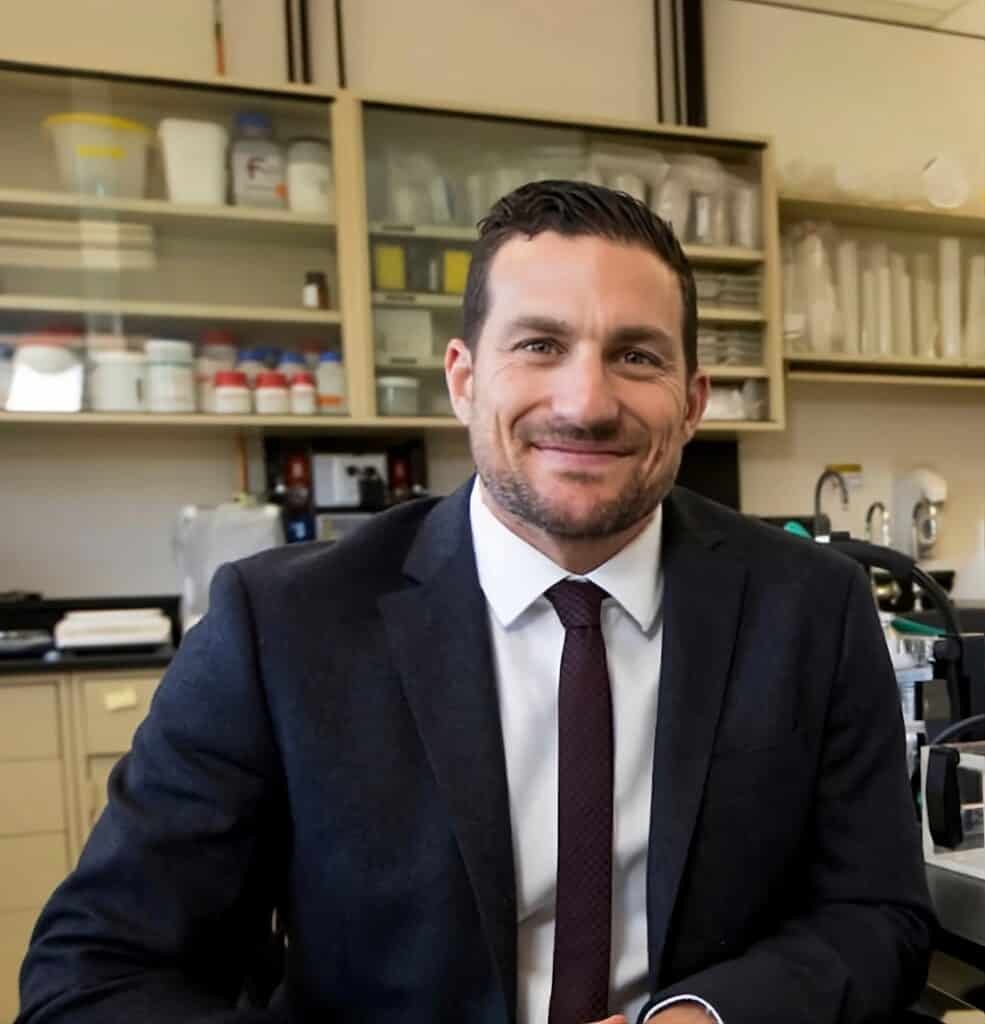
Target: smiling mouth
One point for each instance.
(581, 454)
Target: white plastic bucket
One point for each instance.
(310, 188)
(194, 160)
(116, 381)
(99, 154)
(170, 375)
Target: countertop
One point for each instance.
(59, 663)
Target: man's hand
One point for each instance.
(618, 1019)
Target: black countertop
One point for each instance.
(61, 662)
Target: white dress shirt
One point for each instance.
(527, 639)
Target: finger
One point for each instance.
(617, 1019)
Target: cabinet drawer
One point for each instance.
(15, 933)
(112, 710)
(30, 868)
(28, 721)
(32, 798)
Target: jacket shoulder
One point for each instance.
(366, 562)
(762, 546)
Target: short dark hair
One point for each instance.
(574, 208)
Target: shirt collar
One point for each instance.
(513, 573)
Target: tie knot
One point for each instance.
(577, 602)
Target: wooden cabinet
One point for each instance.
(410, 182)
(912, 235)
(60, 737)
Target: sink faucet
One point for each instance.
(828, 474)
(873, 509)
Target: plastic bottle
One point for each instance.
(304, 394)
(232, 395)
(251, 364)
(271, 395)
(331, 384)
(291, 363)
(257, 163)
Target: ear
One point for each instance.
(697, 399)
(459, 376)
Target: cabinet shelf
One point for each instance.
(428, 300)
(418, 300)
(729, 315)
(841, 361)
(162, 213)
(436, 364)
(213, 422)
(885, 216)
(167, 310)
(906, 379)
(736, 372)
(309, 424)
(699, 254)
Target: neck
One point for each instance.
(578, 555)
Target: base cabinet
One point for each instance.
(60, 736)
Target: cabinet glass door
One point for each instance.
(155, 209)
(431, 176)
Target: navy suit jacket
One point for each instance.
(327, 742)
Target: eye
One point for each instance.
(642, 358)
(539, 346)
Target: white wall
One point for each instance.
(92, 511)
(889, 431)
(877, 99)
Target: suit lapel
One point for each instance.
(439, 639)
(702, 604)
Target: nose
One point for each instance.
(583, 391)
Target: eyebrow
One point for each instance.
(631, 334)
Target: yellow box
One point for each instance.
(456, 269)
(390, 267)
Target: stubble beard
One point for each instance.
(514, 493)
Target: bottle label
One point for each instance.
(258, 176)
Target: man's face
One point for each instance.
(576, 398)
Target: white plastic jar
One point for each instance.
(310, 188)
(398, 396)
(331, 384)
(170, 375)
(116, 381)
(271, 395)
(232, 393)
(304, 394)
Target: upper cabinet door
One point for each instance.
(148, 37)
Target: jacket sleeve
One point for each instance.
(860, 951)
(174, 891)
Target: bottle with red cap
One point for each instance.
(232, 393)
(271, 394)
(304, 394)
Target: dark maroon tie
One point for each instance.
(582, 939)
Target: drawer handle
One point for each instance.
(120, 700)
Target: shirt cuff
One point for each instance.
(708, 1008)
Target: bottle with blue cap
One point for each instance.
(251, 363)
(331, 384)
(291, 363)
(257, 163)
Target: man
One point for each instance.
(568, 745)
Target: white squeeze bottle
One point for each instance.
(257, 163)
(331, 384)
